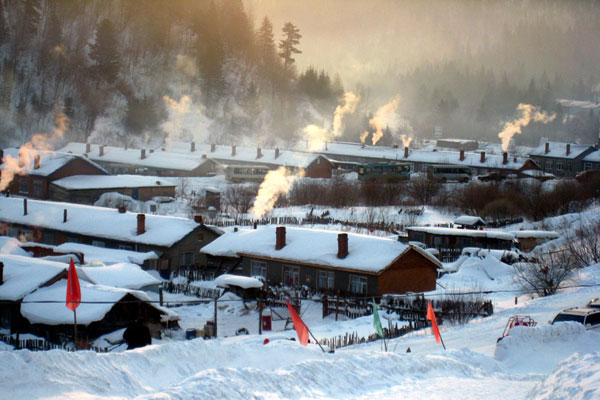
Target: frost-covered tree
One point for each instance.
(105, 54)
(288, 45)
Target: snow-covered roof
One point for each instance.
(246, 155)
(578, 104)
(50, 161)
(536, 173)
(80, 182)
(471, 159)
(105, 255)
(96, 221)
(56, 313)
(468, 220)
(593, 157)
(559, 150)
(122, 275)
(535, 234)
(462, 232)
(23, 275)
(370, 254)
(156, 159)
(12, 246)
(227, 280)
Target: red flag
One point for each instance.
(73, 290)
(434, 325)
(299, 325)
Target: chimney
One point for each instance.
(213, 147)
(547, 150)
(255, 224)
(36, 161)
(233, 150)
(198, 219)
(88, 147)
(122, 210)
(1, 156)
(406, 152)
(279, 237)
(204, 156)
(568, 148)
(276, 152)
(1, 273)
(101, 150)
(64, 215)
(395, 146)
(505, 158)
(462, 155)
(192, 147)
(482, 159)
(342, 245)
(151, 150)
(258, 152)
(141, 223)
(235, 228)
(24, 206)
(143, 154)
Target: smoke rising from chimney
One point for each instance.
(275, 184)
(406, 140)
(386, 116)
(528, 113)
(187, 121)
(350, 102)
(27, 152)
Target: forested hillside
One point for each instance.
(137, 72)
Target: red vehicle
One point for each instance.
(517, 320)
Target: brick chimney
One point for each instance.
(342, 245)
(143, 154)
(204, 156)
(482, 159)
(88, 147)
(505, 158)
(462, 155)
(258, 152)
(64, 215)
(198, 219)
(276, 152)
(101, 150)
(213, 147)
(192, 147)
(141, 223)
(568, 148)
(122, 210)
(1, 156)
(1, 273)
(36, 161)
(547, 150)
(233, 150)
(279, 237)
(24, 206)
(406, 152)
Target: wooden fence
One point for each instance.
(43, 345)
(191, 290)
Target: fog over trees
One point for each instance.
(259, 71)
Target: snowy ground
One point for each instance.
(549, 362)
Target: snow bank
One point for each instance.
(122, 275)
(227, 280)
(542, 347)
(10, 245)
(576, 378)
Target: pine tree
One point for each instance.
(287, 45)
(211, 54)
(31, 19)
(265, 43)
(105, 54)
(52, 40)
(4, 30)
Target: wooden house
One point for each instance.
(562, 159)
(327, 261)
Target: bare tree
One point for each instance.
(544, 275)
(423, 190)
(583, 242)
(238, 199)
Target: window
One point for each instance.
(186, 258)
(326, 280)
(13, 232)
(37, 187)
(23, 185)
(358, 284)
(559, 165)
(291, 275)
(593, 319)
(587, 166)
(48, 238)
(26, 235)
(98, 243)
(258, 268)
(73, 239)
(125, 247)
(548, 165)
(569, 166)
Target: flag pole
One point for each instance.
(75, 326)
(313, 336)
(442, 340)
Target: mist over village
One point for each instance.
(279, 199)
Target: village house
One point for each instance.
(563, 159)
(327, 261)
(529, 239)
(312, 165)
(176, 241)
(39, 169)
(83, 189)
(450, 242)
(118, 160)
(468, 222)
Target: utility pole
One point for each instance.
(215, 317)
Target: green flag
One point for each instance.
(376, 321)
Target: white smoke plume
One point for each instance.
(384, 117)
(275, 184)
(406, 140)
(187, 120)
(186, 65)
(528, 114)
(316, 135)
(27, 152)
